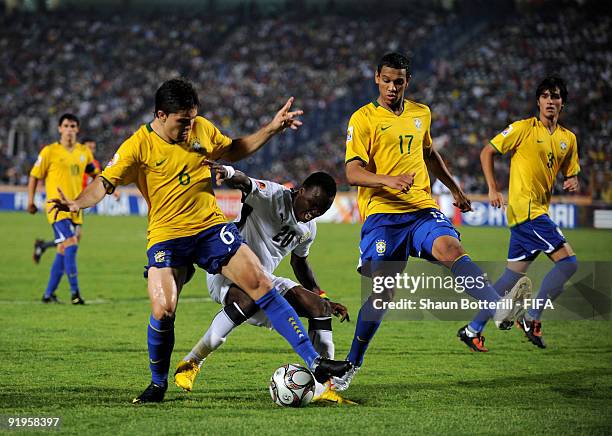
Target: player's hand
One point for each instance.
(340, 311)
(32, 208)
(285, 118)
(402, 183)
(220, 171)
(62, 204)
(571, 184)
(496, 199)
(461, 201)
(117, 195)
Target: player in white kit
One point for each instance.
(275, 222)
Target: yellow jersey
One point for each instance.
(172, 178)
(537, 157)
(62, 168)
(391, 144)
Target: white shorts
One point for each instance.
(218, 286)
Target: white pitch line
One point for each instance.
(102, 301)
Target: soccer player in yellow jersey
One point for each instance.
(40, 245)
(389, 151)
(540, 148)
(167, 159)
(62, 165)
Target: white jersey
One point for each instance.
(269, 227)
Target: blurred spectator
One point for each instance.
(475, 76)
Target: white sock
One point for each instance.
(323, 342)
(220, 327)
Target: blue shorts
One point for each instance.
(210, 249)
(529, 238)
(63, 229)
(393, 237)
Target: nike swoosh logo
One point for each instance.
(159, 162)
(155, 361)
(540, 140)
(384, 128)
(525, 327)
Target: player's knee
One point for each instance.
(261, 283)
(245, 304)
(448, 249)
(569, 265)
(164, 312)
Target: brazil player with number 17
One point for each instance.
(389, 152)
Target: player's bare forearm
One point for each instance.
(246, 146)
(239, 181)
(436, 165)
(357, 175)
(304, 273)
(487, 160)
(93, 193)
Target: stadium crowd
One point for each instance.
(476, 77)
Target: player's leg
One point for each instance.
(220, 249)
(164, 285)
(40, 246)
(318, 311)
(71, 246)
(562, 254)
(246, 271)
(513, 286)
(238, 307)
(60, 230)
(434, 237)
(448, 250)
(383, 249)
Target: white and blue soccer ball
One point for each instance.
(292, 386)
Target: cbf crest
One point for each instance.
(160, 256)
(381, 246)
(417, 123)
(563, 146)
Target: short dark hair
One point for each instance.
(176, 95)
(322, 180)
(69, 117)
(394, 60)
(549, 84)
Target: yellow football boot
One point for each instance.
(185, 374)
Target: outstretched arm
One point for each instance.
(91, 195)
(243, 147)
(487, 161)
(436, 165)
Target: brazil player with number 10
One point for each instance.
(389, 151)
(62, 165)
(166, 159)
(541, 148)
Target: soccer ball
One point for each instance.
(292, 386)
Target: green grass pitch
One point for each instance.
(84, 364)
